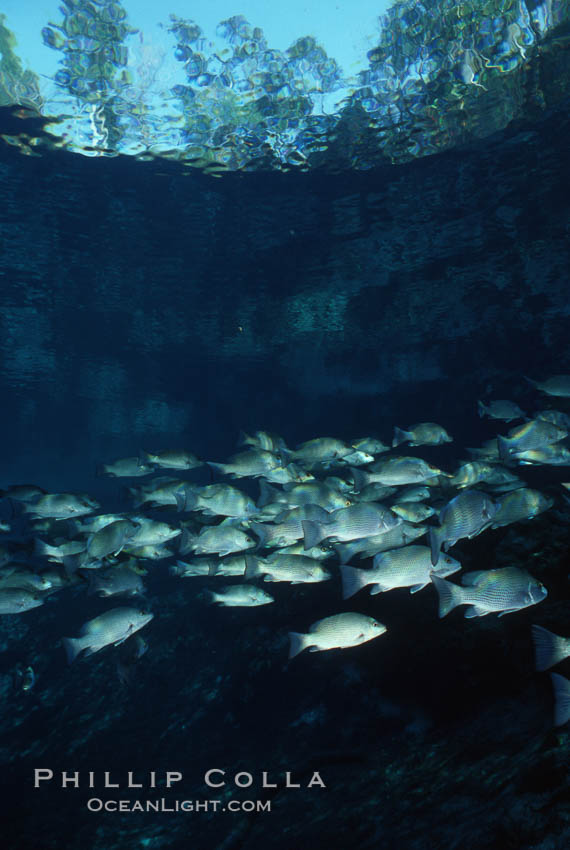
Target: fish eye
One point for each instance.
(348, 503)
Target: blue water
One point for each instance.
(144, 306)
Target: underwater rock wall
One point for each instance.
(140, 305)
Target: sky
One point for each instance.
(347, 29)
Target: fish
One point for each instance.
(14, 600)
(339, 631)
(350, 524)
(58, 552)
(370, 445)
(125, 467)
(355, 458)
(561, 687)
(396, 471)
(471, 473)
(171, 459)
(488, 451)
(151, 532)
(422, 434)
(263, 440)
(239, 596)
(23, 492)
(409, 566)
(555, 455)
(318, 553)
(23, 578)
(220, 539)
(549, 649)
(501, 478)
(308, 493)
(112, 627)
(503, 591)
(231, 565)
(160, 491)
(534, 434)
(91, 524)
(199, 567)
(555, 416)
(288, 528)
(252, 463)
(521, 504)
(401, 535)
(277, 534)
(150, 551)
(110, 539)
(374, 493)
(218, 500)
(61, 506)
(295, 569)
(120, 581)
(557, 385)
(412, 494)
(413, 511)
(502, 409)
(466, 515)
(291, 473)
(57, 579)
(338, 484)
(320, 449)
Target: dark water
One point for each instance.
(143, 309)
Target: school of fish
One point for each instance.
(321, 507)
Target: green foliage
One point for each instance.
(91, 39)
(17, 86)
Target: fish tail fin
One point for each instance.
(267, 493)
(185, 500)
(343, 552)
(531, 381)
(435, 541)
(245, 439)
(359, 478)
(353, 579)
(450, 595)
(561, 688)
(549, 648)
(217, 467)
(296, 643)
(503, 446)
(134, 493)
(144, 457)
(180, 497)
(186, 544)
(481, 409)
(313, 533)
(251, 567)
(73, 647)
(211, 597)
(40, 547)
(72, 563)
(100, 469)
(261, 531)
(400, 436)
